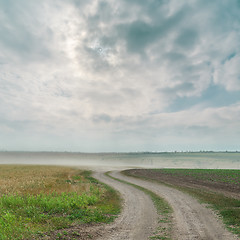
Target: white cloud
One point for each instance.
(110, 67)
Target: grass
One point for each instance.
(164, 211)
(34, 201)
(226, 176)
(227, 208)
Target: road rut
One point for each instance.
(191, 219)
(138, 219)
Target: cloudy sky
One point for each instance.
(128, 75)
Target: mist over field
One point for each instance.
(126, 160)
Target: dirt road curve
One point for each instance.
(191, 219)
(138, 219)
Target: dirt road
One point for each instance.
(138, 219)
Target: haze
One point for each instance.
(110, 161)
(101, 75)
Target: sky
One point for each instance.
(119, 76)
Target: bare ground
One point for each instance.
(227, 189)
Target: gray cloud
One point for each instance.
(140, 34)
(102, 118)
(151, 70)
(187, 39)
(179, 89)
(19, 31)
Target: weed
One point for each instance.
(56, 205)
(76, 233)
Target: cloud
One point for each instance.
(102, 118)
(229, 70)
(187, 39)
(22, 34)
(119, 70)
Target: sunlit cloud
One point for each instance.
(107, 75)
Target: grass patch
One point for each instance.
(164, 211)
(110, 203)
(65, 197)
(229, 177)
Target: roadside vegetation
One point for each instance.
(227, 207)
(41, 201)
(164, 211)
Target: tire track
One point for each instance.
(192, 221)
(138, 219)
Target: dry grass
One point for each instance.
(24, 179)
(37, 201)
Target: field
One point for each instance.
(218, 188)
(225, 181)
(50, 202)
(39, 202)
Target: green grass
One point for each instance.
(28, 216)
(227, 176)
(164, 211)
(110, 203)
